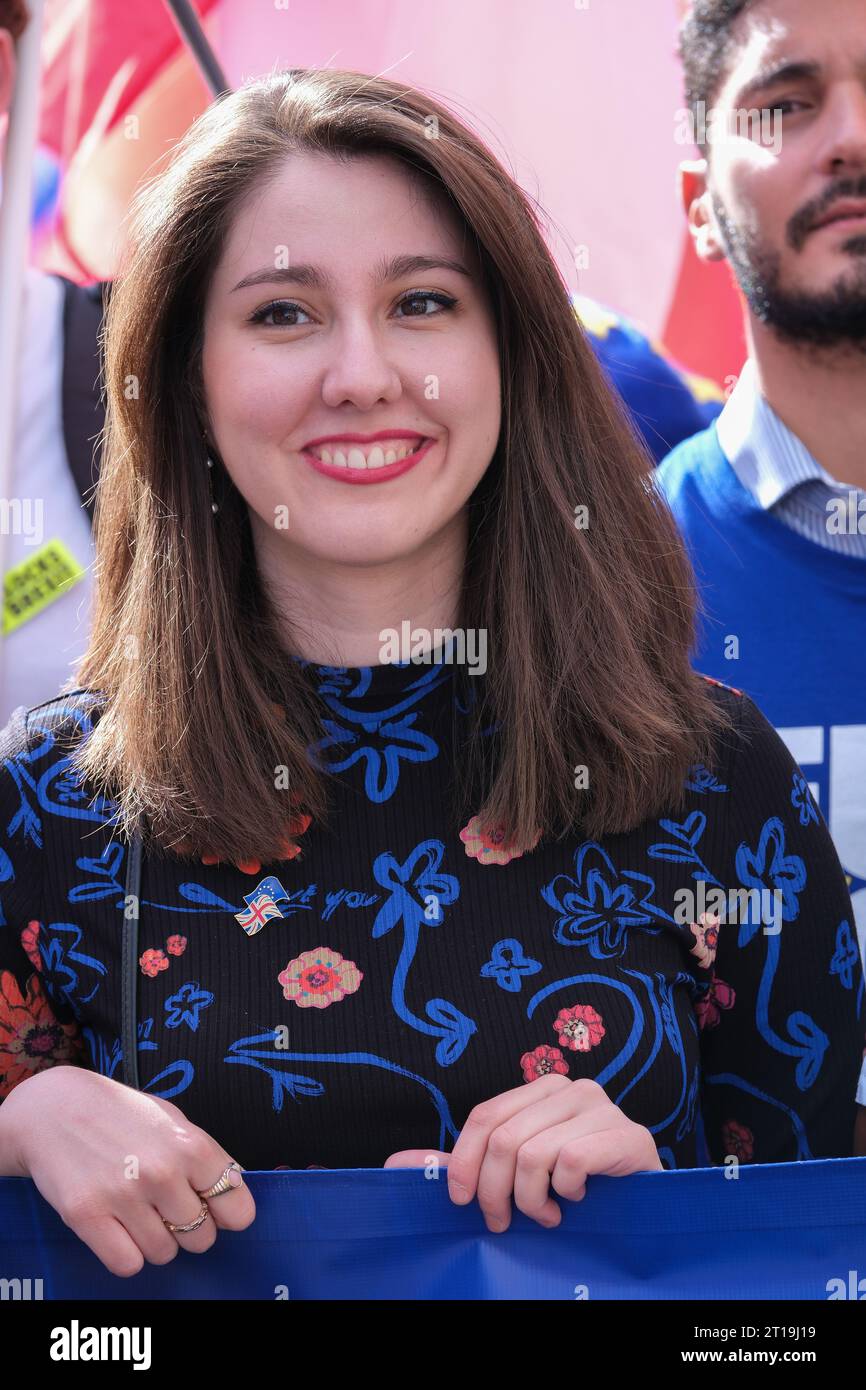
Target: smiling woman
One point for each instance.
(424, 301)
(429, 904)
(389, 339)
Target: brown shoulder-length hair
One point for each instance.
(207, 718)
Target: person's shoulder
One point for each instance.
(65, 718)
(750, 758)
(754, 742)
(731, 702)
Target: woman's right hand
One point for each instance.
(113, 1162)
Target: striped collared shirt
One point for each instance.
(781, 474)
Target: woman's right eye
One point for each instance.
(277, 306)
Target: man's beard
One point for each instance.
(834, 318)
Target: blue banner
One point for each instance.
(776, 1231)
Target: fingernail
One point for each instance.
(494, 1223)
(458, 1192)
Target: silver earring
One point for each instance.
(214, 506)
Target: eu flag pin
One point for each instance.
(261, 904)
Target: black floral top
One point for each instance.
(361, 995)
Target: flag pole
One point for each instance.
(15, 213)
(193, 35)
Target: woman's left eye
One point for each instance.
(277, 306)
(445, 301)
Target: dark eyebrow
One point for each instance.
(776, 76)
(313, 278)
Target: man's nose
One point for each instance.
(845, 147)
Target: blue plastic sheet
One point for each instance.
(777, 1231)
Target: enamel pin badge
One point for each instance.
(262, 905)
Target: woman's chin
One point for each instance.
(358, 550)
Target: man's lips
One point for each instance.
(853, 211)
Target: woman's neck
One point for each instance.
(336, 614)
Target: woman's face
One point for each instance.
(336, 336)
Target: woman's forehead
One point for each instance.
(316, 208)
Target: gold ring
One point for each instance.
(224, 1183)
(190, 1225)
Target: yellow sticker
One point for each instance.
(34, 583)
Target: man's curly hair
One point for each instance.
(705, 39)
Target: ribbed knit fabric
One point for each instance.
(412, 973)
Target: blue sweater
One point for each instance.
(785, 621)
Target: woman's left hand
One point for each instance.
(551, 1133)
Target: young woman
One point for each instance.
(273, 898)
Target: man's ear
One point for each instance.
(7, 70)
(695, 198)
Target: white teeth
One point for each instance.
(377, 457)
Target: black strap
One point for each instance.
(83, 408)
(129, 965)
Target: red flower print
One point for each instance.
(491, 847)
(30, 1036)
(152, 962)
(542, 1060)
(719, 996)
(579, 1028)
(176, 945)
(706, 934)
(738, 1140)
(320, 977)
(30, 942)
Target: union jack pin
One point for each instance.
(261, 905)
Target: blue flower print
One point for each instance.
(416, 892)
(845, 956)
(599, 906)
(106, 1058)
(378, 738)
(801, 800)
(380, 744)
(507, 965)
(768, 867)
(700, 779)
(64, 965)
(682, 848)
(186, 1005)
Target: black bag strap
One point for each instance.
(129, 965)
(83, 408)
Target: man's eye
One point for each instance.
(277, 307)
